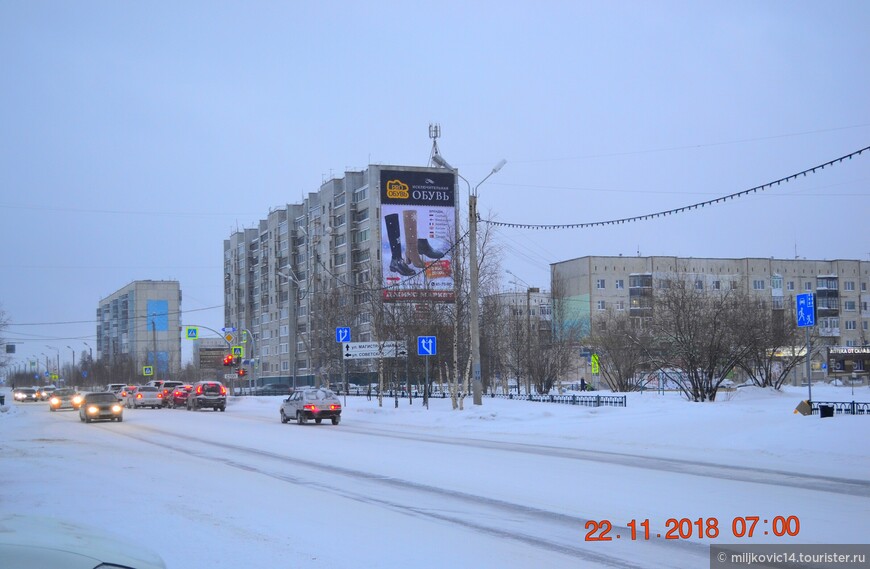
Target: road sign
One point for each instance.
(231, 376)
(363, 350)
(229, 337)
(238, 351)
(191, 332)
(342, 334)
(806, 309)
(595, 365)
(427, 346)
(147, 370)
(229, 329)
(84, 373)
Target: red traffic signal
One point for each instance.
(243, 372)
(228, 360)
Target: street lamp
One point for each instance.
(477, 388)
(528, 323)
(73, 366)
(90, 350)
(58, 357)
(291, 276)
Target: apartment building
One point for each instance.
(593, 284)
(310, 267)
(140, 323)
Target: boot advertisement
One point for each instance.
(418, 229)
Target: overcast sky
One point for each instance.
(137, 136)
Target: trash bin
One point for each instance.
(2, 400)
(826, 411)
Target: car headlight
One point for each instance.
(54, 401)
(93, 410)
(77, 400)
(116, 408)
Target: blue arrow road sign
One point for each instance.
(427, 346)
(342, 334)
(806, 309)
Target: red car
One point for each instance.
(178, 398)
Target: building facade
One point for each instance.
(593, 285)
(310, 267)
(140, 323)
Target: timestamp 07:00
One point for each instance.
(700, 528)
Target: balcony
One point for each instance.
(829, 332)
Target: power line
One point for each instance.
(10, 324)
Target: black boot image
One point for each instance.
(397, 264)
(409, 221)
(424, 247)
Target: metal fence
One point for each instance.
(585, 400)
(842, 407)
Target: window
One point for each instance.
(758, 284)
(620, 305)
(285, 330)
(808, 286)
(851, 324)
(733, 285)
(849, 285)
(863, 287)
(620, 283)
(340, 259)
(361, 236)
(340, 239)
(340, 220)
(360, 194)
(361, 215)
(717, 285)
(699, 284)
(865, 325)
(600, 284)
(849, 305)
(778, 303)
(339, 200)
(285, 348)
(790, 285)
(285, 366)
(601, 305)
(776, 282)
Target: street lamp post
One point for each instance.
(528, 325)
(90, 350)
(74, 365)
(58, 357)
(477, 388)
(291, 277)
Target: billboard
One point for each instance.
(418, 234)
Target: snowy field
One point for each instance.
(507, 484)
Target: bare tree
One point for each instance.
(777, 345)
(623, 351)
(698, 337)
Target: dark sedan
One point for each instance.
(101, 406)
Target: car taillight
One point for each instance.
(160, 396)
(334, 407)
(310, 407)
(138, 396)
(223, 390)
(199, 390)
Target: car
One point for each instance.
(166, 387)
(65, 398)
(45, 392)
(145, 396)
(207, 394)
(25, 394)
(317, 404)
(101, 405)
(115, 387)
(125, 391)
(178, 397)
(28, 541)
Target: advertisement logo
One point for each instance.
(397, 190)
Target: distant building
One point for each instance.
(591, 285)
(141, 323)
(208, 358)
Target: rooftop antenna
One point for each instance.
(434, 133)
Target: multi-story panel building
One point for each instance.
(141, 322)
(595, 284)
(307, 268)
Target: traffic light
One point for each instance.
(228, 360)
(238, 360)
(243, 372)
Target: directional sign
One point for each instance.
(229, 329)
(806, 309)
(231, 376)
(342, 334)
(238, 351)
(147, 370)
(427, 346)
(191, 332)
(363, 350)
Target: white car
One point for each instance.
(145, 396)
